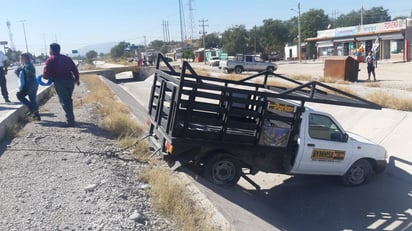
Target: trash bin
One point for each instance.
(342, 68)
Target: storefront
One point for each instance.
(388, 40)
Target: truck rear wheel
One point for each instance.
(222, 170)
(359, 173)
(271, 69)
(238, 70)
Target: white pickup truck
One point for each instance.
(247, 63)
(227, 129)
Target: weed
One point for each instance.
(390, 101)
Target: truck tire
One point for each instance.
(238, 70)
(271, 69)
(359, 173)
(222, 170)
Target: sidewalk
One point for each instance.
(11, 112)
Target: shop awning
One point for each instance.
(324, 44)
(363, 38)
(391, 36)
(338, 40)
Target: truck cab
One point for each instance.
(325, 148)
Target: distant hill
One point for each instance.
(99, 48)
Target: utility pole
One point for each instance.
(13, 48)
(181, 26)
(299, 45)
(25, 38)
(45, 47)
(361, 15)
(255, 39)
(203, 25)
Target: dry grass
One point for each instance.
(201, 71)
(169, 195)
(117, 118)
(372, 84)
(302, 77)
(171, 198)
(390, 101)
(332, 80)
(279, 83)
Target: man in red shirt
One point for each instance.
(64, 73)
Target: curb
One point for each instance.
(18, 110)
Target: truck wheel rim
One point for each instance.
(357, 175)
(223, 171)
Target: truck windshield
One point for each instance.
(323, 127)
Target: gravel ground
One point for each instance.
(54, 178)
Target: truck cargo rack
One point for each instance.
(312, 91)
(190, 106)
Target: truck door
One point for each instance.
(325, 149)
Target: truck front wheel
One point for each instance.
(222, 170)
(238, 70)
(359, 173)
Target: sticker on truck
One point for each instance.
(327, 155)
(281, 107)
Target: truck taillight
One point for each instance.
(169, 147)
(148, 122)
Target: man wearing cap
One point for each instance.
(64, 73)
(3, 72)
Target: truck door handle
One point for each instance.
(311, 145)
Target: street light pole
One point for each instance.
(25, 38)
(299, 44)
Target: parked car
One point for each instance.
(214, 61)
(243, 63)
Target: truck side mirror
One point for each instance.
(345, 137)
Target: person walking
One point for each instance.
(64, 73)
(3, 72)
(370, 62)
(28, 85)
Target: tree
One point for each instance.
(272, 36)
(235, 40)
(156, 44)
(212, 41)
(90, 55)
(120, 50)
(354, 18)
(312, 21)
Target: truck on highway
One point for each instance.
(242, 63)
(227, 129)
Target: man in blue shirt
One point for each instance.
(370, 60)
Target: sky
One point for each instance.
(78, 23)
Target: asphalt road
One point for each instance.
(304, 202)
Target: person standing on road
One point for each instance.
(370, 62)
(3, 72)
(64, 73)
(28, 85)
